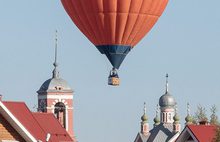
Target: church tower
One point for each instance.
(55, 96)
(176, 123)
(167, 106)
(144, 124)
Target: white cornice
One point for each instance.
(55, 96)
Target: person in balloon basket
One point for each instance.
(113, 78)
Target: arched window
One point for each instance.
(60, 113)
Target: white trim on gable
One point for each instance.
(16, 124)
(137, 137)
(173, 139)
(8, 141)
(185, 134)
(191, 134)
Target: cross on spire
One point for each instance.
(145, 108)
(188, 109)
(157, 111)
(167, 82)
(176, 109)
(55, 64)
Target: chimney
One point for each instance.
(0, 97)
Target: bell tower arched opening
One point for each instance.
(60, 113)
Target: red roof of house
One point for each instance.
(203, 133)
(38, 124)
(51, 125)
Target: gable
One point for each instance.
(23, 119)
(141, 137)
(138, 138)
(203, 133)
(197, 133)
(186, 136)
(190, 138)
(32, 127)
(162, 132)
(7, 132)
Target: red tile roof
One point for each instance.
(38, 124)
(51, 125)
(203, 133)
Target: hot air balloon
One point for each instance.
(114, 26)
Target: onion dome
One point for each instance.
(167, 100)
(157, 119)
(144, 116)
(176, 117)
(188, 118)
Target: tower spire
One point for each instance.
(157, 119)
(145, 108)
(55, 64)
(188, 109)
(188, 119)
(157, 111)
(167, 82)
(144, 116)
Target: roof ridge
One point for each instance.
(13, 102)
(42, 113)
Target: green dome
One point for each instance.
(144, 118)
(176, 118)
(189, 119)
(156, 120)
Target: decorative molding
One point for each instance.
(55, 97)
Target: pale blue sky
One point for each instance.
(184, 43)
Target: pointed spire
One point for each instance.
(189, 119)
(188, 109)
(157, 119)
(176, 117)
(158, 109)
(144, 117)
(145, 109)
(167, 83)
(55, 64)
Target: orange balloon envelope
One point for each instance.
(114, 26)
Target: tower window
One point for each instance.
(170, 117)
(60, 113)
(58, 88)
